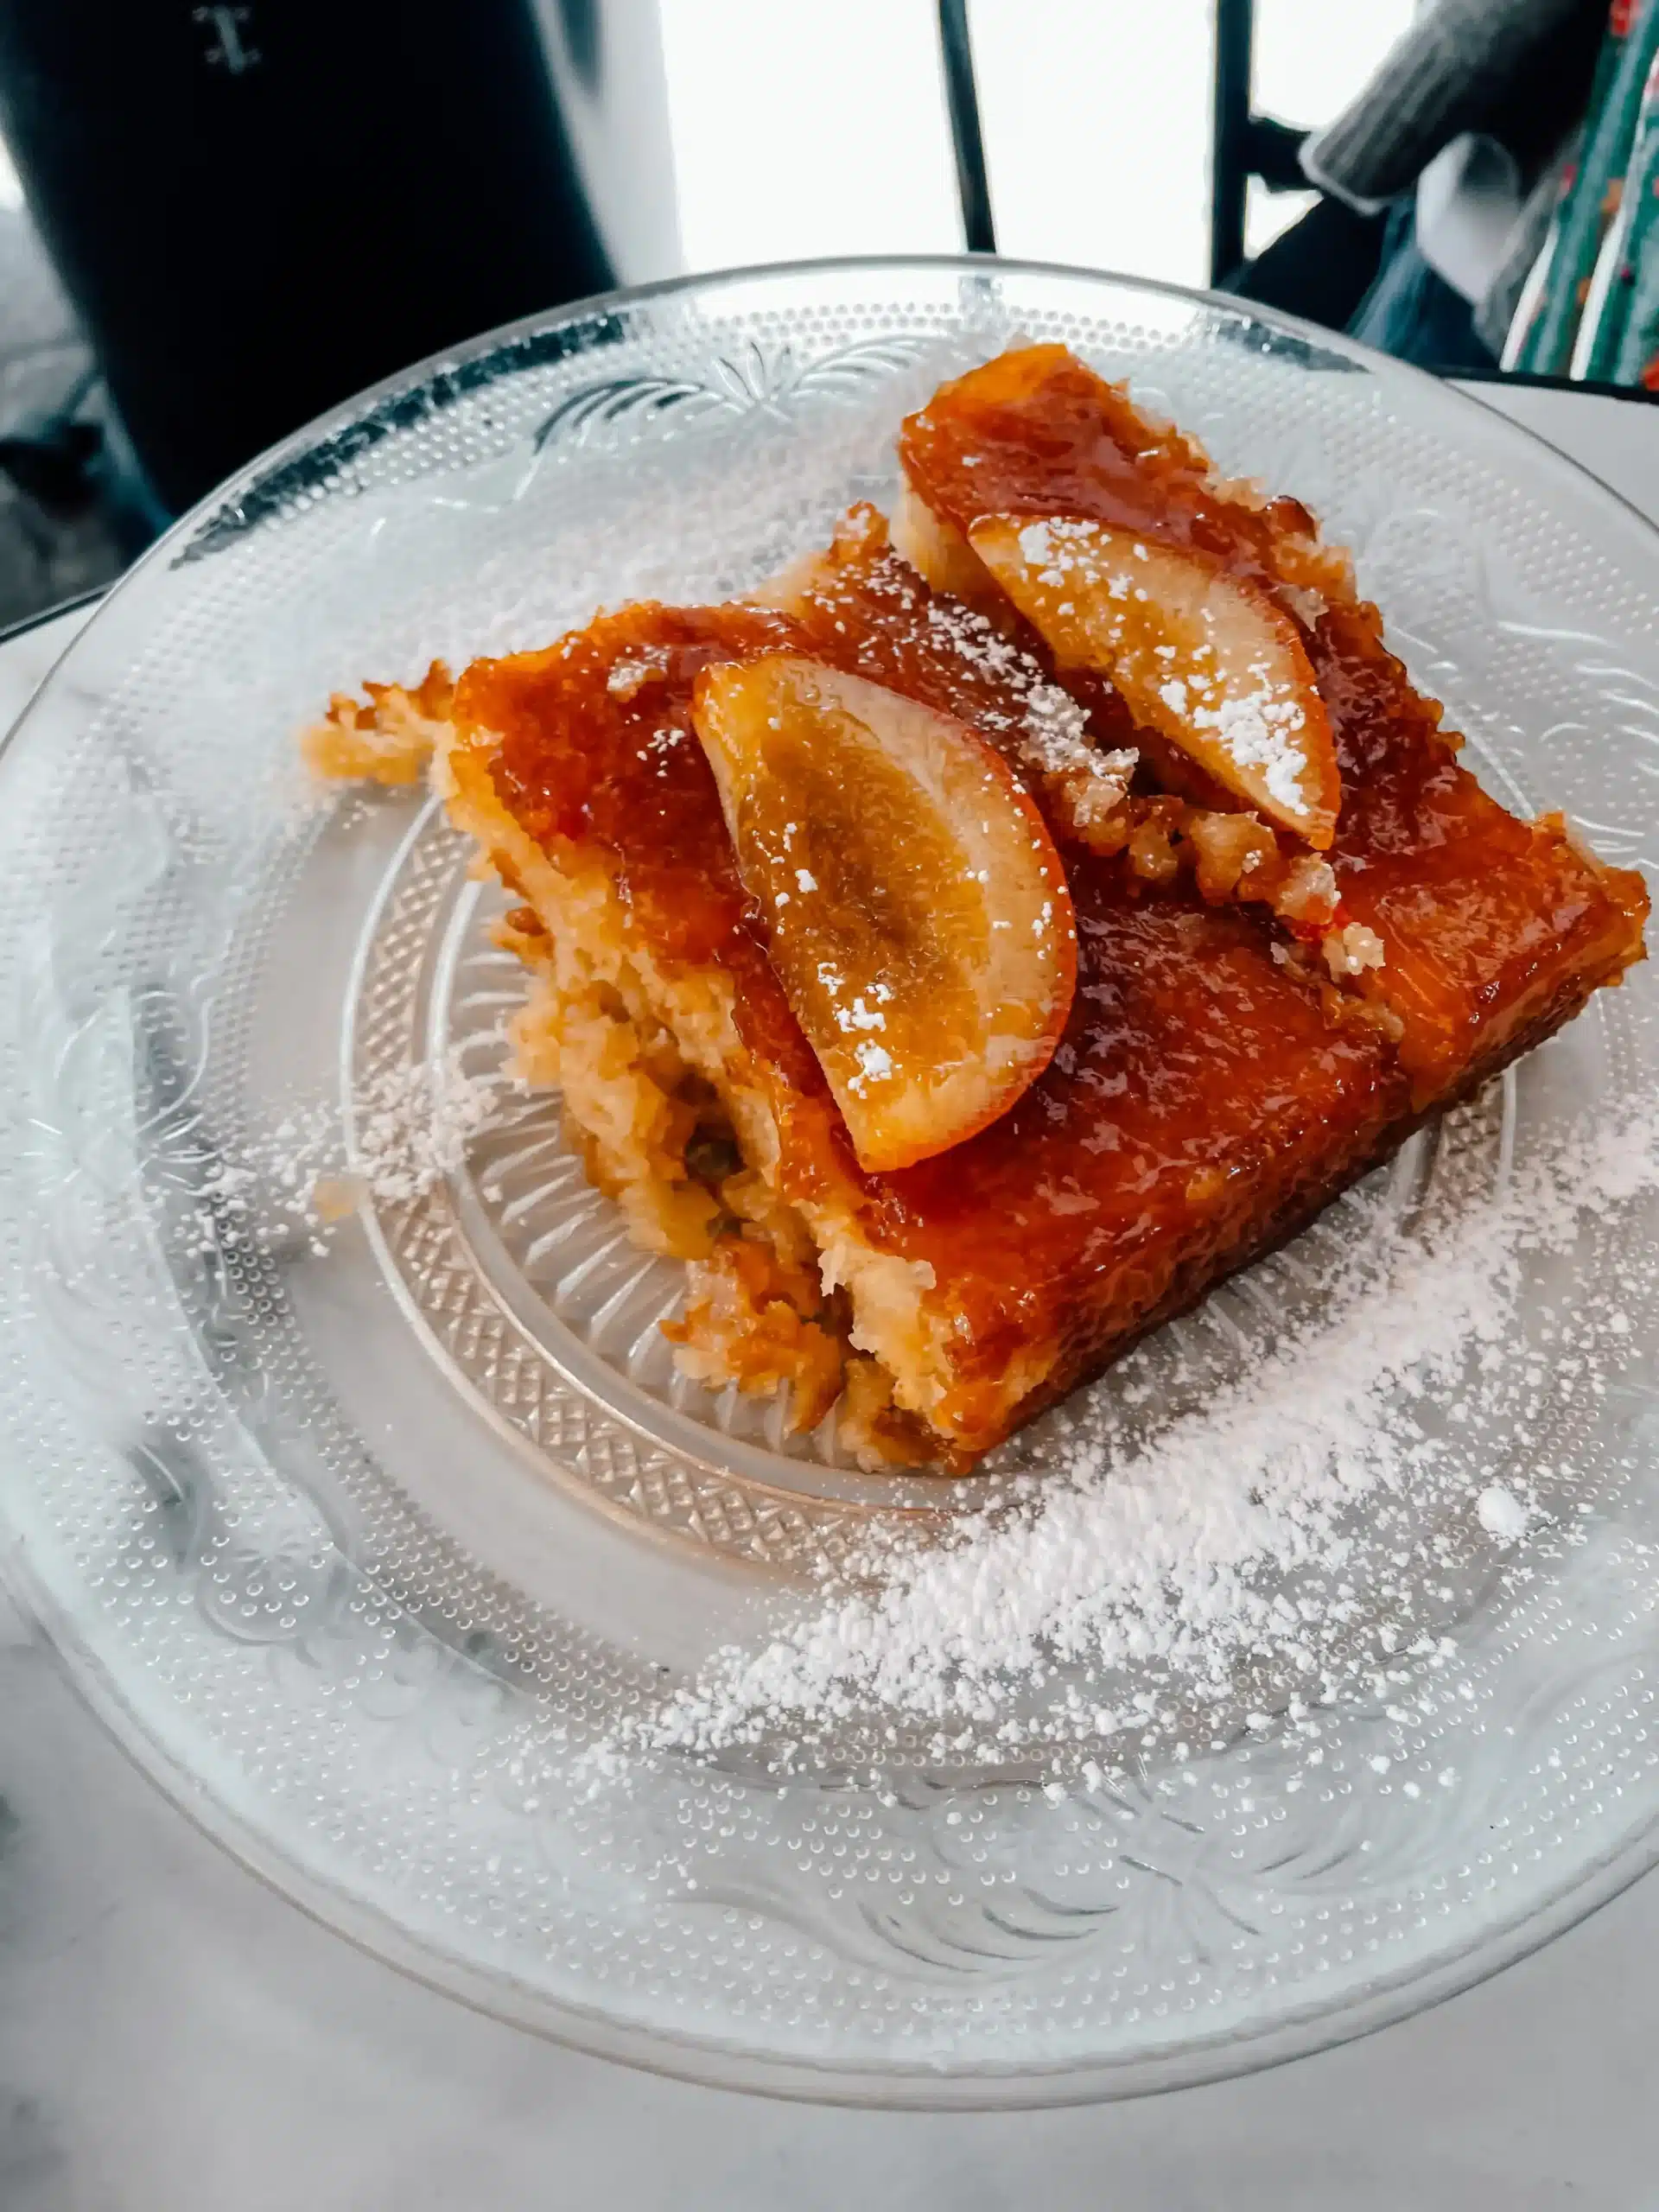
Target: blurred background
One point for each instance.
(217, 221)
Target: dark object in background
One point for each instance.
(77, 473)
(49, 404)
(1413, 313)
(1243, 144)
(1364, 274)
(52, 461)
(962, 103)
(257, 210)
(1320, 268)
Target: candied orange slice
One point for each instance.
(1203, 657)
(917, 910)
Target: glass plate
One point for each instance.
(359, 1535)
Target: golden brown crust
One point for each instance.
(389, 740)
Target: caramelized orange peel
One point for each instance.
(916, 910)
(1205, 657)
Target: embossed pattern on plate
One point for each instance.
(317, 1527)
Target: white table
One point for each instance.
(174, 2037)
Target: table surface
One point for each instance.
(174, 2037)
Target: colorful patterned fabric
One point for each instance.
(1612, 288)
(1636, 358)
(1554, 304)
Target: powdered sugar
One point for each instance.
(408, 1127)
(413, 1125)
(1052, 737)
(1198, 672)
(1257, 730)
(1501, 1514)
(874, 1065)
(1259, 1535)
(1041, 543)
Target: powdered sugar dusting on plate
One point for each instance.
(413, 1125)
(1259, 1537)
(407, 1127)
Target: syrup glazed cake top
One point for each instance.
(1027, 478)
(964, 961)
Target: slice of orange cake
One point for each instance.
(961, 984)
(1202, 1096)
